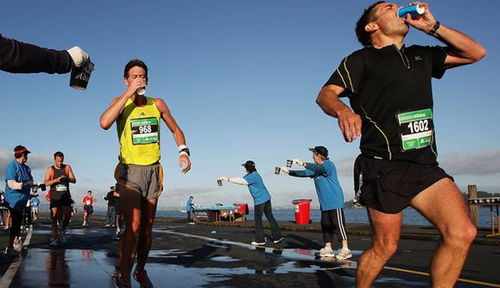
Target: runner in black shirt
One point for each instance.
(389, 89)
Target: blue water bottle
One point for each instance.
(413, 10)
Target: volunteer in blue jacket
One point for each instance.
(331, 200)
(17, 193)
(189, 209)
(262, 203)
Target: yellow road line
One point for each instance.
(427, 274)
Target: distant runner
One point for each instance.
(88, 207)
(111, 197)
(58, 178)
(35, 204)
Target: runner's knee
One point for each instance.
(462, 236)
(385, 247)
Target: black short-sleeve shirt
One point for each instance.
(391, 90)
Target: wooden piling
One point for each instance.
(472, 191)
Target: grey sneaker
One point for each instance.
(343, 254)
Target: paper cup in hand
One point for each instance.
(141, 91)
(80, 76)
(289, 163)
(277, 170)
(219, 182)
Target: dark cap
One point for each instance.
(20, 149)
(321, 150)
(249, 164)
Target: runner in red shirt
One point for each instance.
(88, 207)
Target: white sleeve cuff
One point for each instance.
(239, 181)
(15, 185)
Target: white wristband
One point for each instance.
(183, 149)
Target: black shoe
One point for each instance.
(278, 240)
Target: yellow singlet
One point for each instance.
(139, 133)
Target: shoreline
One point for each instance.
(411, 232)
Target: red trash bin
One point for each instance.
(243, 208)
(240, 214)
(302, 210)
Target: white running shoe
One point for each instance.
(278, 240)
(255, 243)
(343, 254)
(326, 252)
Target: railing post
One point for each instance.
(472, 190)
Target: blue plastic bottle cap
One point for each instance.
(413, 10)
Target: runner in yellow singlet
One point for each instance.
(139, 174)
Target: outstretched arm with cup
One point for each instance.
(14, 185)
(234, 180)
(19, 57)
(296, 173)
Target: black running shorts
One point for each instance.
(389, 186)
(63, 202)
(89, 209)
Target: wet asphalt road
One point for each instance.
(205, 256)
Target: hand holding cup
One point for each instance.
(220, 179)
(289, 163)
(278, 170)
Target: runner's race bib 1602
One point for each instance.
(416, 129)
(144, 130)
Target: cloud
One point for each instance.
(475, 164)
(457, 163)
(345, 165)
(35, 161)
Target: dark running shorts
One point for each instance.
(63, 202)
(89, 209)
(389, 186)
